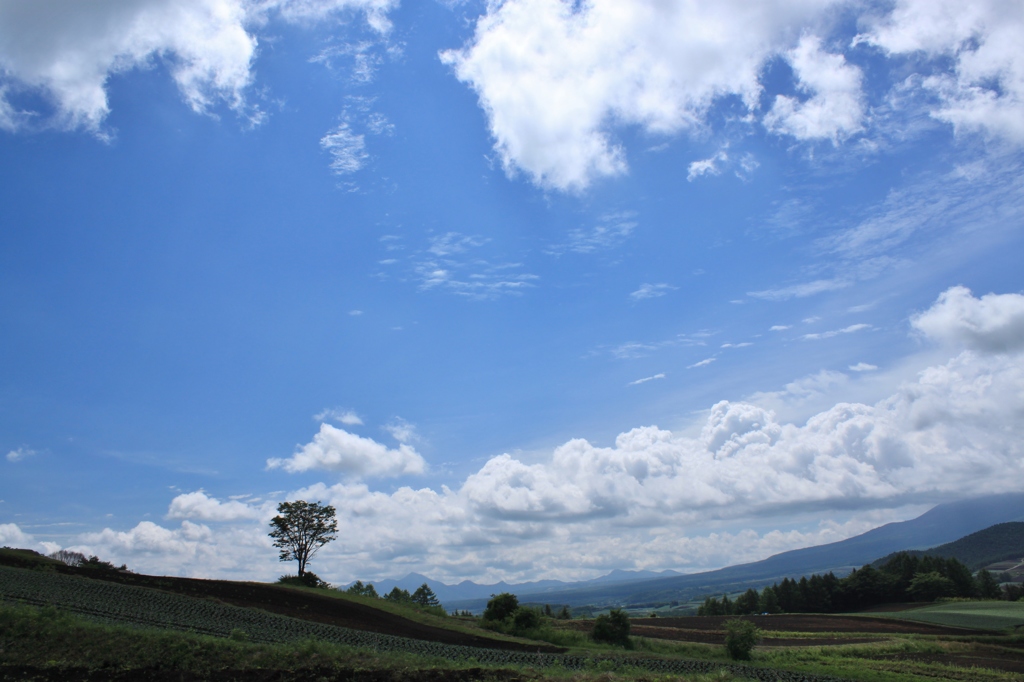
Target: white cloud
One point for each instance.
(703, 363)
(556, 77)
(610, 233)
(335, 449)
(68, 51)
(660, 375)
(984, 91)
(447, 264)
(452, 243)
(836, 332)
(744, 344)
(708, 166)
(197, 505)
(20, 454)
(834, 109)
(346, 417)
(683, 500)
(402, 431)
(800, 290)
(993, 323)
(12, 536)
(651, 291)
(355, 313)
(780, 327)
(863, 367)
(347, 150)
(955, 202)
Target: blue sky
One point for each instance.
(525, 289)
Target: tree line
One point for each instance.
(903, 578)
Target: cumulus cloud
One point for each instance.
(12, 536)
(198, 505)
(708, 166)
(67, 51)
(984, 91)
(993, 323)
(834, 109)
(555, 77)
(953, 431)
(335, 449)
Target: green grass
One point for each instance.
(983, 615)
(49, 638)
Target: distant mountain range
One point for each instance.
(469, 590)
(943, 524)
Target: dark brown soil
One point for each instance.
(797, 622)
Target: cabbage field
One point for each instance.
(144, 607)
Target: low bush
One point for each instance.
(612, 628)
(501, 607)
(307, 579)
(740, 638)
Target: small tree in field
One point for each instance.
(612, 628)
(301, 528)
(501, 606)
(740, 638)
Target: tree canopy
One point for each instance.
(301, 528)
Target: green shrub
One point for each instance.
(501, 606)
(612, 628)
(307, 579)
(740, 638)
(525, 619)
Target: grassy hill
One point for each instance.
(63, 623)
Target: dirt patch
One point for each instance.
(796, 622)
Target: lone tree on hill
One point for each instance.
(301, 529)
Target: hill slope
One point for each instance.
(1000, 542)
(942, 524)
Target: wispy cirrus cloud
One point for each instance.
(659, 375)
(609, 233)
(836, 332)
(651, 291)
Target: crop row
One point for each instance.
(139, 606)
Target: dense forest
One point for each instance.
(902, 578)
